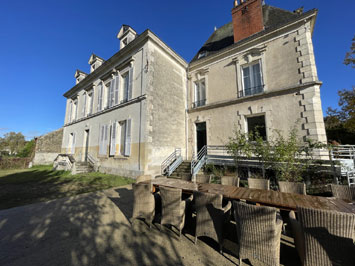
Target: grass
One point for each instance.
(41, 183)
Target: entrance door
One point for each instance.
(201, 135)
(86, 145)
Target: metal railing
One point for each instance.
(198, 161)
(251, 91)
(345, 155)
(173, 161)
(199, 103)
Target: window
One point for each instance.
(113, 139)
(71, 144)
(83, 110)
(70, 114)
(75, 106)
(127, 78)
(103, 138)
(256, 127)
(252, 80)
(90, 102)
(99, 97)
(112, 95)
(125, 138)
(200, 94)
(201, 54)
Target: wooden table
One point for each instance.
(281, 200)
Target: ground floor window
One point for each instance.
(71, 144)
(256, 127)
(103, 140)
(125, 138)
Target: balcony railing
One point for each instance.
(199, 103)
(251, 91)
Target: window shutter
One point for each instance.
(83, 110)
(113, 140)
(130, 84)
(73, 145)
(117, 87)
(127, 151)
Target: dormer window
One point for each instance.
(94, 62)
(126, 35)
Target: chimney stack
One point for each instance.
(247, 18)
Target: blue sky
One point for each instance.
(44, 42)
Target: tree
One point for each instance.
(13, 141)
(27, 149)
(350, 56)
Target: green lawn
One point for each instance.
(41, 183)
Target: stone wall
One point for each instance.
(48, 147)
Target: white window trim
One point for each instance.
(197, 85)
(251, 72)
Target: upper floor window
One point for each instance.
(127, 78)
(75, 109)
(90, 102)
(100, 92)
(200, 93)
(83, 110)
(252, 80)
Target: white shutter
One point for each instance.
(117, 87)
(113, 140)
(73, 145)
(130, 84)
(127, 150)
(83, 110)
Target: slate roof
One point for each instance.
(224, 37)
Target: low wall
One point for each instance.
(48, 147)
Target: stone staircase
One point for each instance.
(183, 171)
(81, 167)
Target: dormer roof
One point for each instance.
(124, 30)
(78, 73)
(94, 58)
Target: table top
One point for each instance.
(281, 200)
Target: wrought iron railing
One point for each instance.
(199, 103)
(251, 91)
(170, 164)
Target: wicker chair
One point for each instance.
(324, 237)
(203, 178)
(210, 216)
(258, 232)
(259, 183)
(143, 203)
(173, 208)
(343, 192)
(230, 180)
(143, 178)
(292, 187)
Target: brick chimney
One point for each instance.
(247, 18)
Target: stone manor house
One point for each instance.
(257, 72)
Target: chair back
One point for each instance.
(230, 180)
(341, 192)
(258, 232)
(203, 178)
(171, 202)
(143, 178)
(259, 183)
(292, 187)
(208, 215)
(328, 237)
(143, 201)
